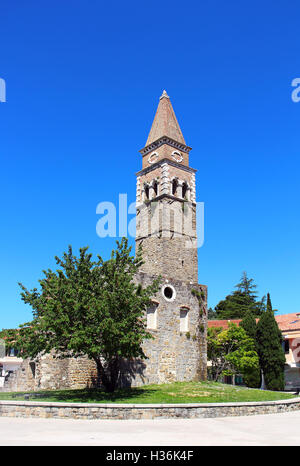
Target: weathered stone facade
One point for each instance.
(50, 373)
(175, 354)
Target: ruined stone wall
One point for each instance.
(50, 373)
(22, 379)
(53, 373)
(82, 373)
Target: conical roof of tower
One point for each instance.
(165, 122)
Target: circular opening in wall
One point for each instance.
(169, 293)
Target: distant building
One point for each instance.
(289, 324)
(8, 364)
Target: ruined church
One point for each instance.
(166, 229)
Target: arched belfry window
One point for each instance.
(155, 188)
(174, 186)
(184, 190)
(146, 189)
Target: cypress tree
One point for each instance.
(269, 304)
(270, 351)
(249, 325)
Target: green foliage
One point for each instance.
(269, 345)
(234, 306)
(231, 352)
(10, 336)
(253, 378)
(200, 295)
(249, 324)
(176, 392)
(237, 304)
(211, 314)
(91, 308)
(269, 304)
(246, 286)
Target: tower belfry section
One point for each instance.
(166, 232)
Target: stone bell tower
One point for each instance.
(166, 230)
(166, 196)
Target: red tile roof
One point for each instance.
(289, 321)
(285, 322)
(222, 323)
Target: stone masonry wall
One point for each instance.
(178, 260)
(22, 379)
(49, 373)
(112, 411)
(176, 355)
(167, 232)
(164, 151)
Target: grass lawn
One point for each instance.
(178, 392)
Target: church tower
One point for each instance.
(166, 196)
(166, 230)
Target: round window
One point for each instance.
(153, 157)
(169, 292)
(177, 156)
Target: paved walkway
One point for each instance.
(270, 429)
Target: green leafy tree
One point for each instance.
(231, 352)
(247, 286)
(271, 354)
(249, 325)
(91, 308)
(238, 303)
(234, 306)
(211, 314)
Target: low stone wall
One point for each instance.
(142, 411)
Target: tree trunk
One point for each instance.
(108, 376)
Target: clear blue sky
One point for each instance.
(83, 82)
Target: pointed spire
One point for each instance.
(164, 94)
(165, 122)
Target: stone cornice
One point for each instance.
(165, 140)
(165, 196)
(169, 162)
